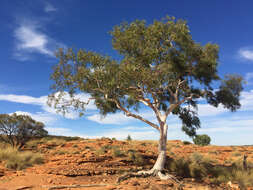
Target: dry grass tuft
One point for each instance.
(16, 160)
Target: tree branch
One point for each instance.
(173, 106)
(130, 114)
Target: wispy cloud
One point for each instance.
(46, 118)
(24, 99)
(246, 53)
(42, 102)
(249, 78)
(49, 8)
(30, 39)
(121, 119)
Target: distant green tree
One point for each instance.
(129, 138)
(202, 140)
(16, 130)
(160, 67)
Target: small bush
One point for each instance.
(200, 167)
(186, 142)
(102, 150)
(34, 143)
(16, 160)
(202, 140)
(114, 139)
(135, 157)
(56, 142)
(244, 178)
(128, 138)
(236, 154)
(116, 152)
(60, 152)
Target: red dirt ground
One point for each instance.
(81, 163)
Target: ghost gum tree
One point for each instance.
(161, 68)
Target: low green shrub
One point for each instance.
(202, 140)
(128, 138)
(186, 142)
(135, 157)
(201, 167)
(116, 152)
(103, 150)
(60, 152)
(16, 160)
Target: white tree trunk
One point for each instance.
(161, 160)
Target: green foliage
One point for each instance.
(104, 149)
(116, 152)
(63, 138)
(200, 167)
(100, 151)
(16, 160)
(135, 157)
(128, 138)
(17, 130)
(161, 65)
(202, 140)
(186, 142)
(55, 141)
(60, 152)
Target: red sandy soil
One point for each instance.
(77, 163)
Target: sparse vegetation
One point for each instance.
(200, 167)
(116, 152)
(128, 138)
(134, 156)
(103, 149)
(60, 152)
(56, 141)
(16, 160)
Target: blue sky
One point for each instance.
(31, 31)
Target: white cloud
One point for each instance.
(49, 8)
(247, 101)
(117, 119)
(139, 133)
(39, 116)
(232, 124)
(121, 119)
(42, 102)
(24, 99)
(208, 110)
(58, 131)
(246, 53)
(249, 78)
(30, 39)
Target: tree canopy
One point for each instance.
(161, 67)
(16, 130)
